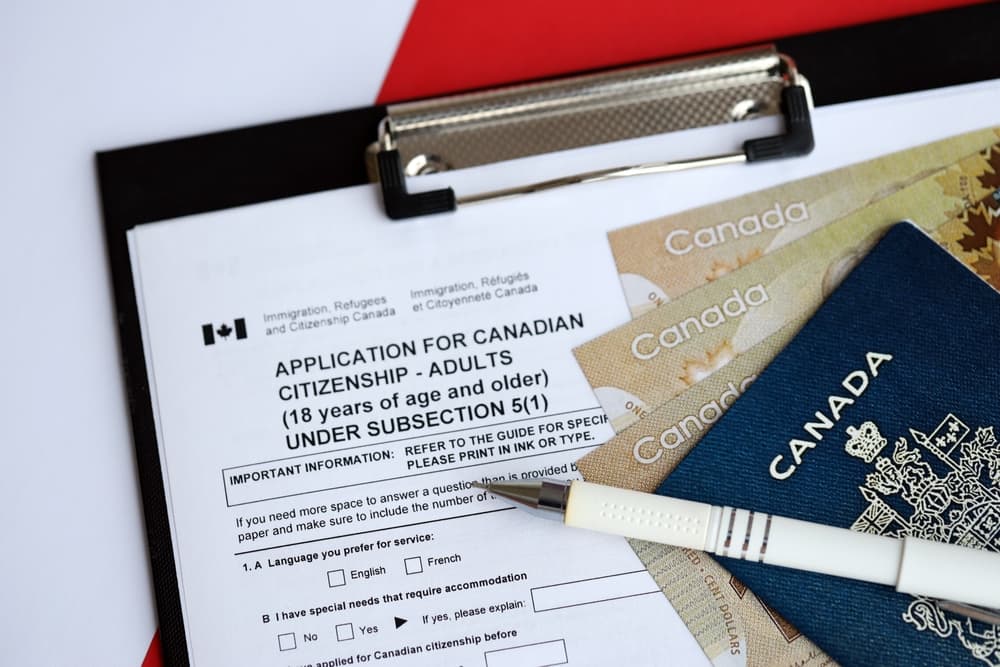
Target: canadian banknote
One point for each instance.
(662, 259)
(729, 622)
(636, 368)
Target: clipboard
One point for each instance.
(299, 156)
(159, 181)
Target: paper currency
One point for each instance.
(665, 258)
(638, 367)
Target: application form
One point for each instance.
(327, 383)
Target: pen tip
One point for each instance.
(480, 485)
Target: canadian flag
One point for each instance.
(210, 333)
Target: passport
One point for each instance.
(881, 416)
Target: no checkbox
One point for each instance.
(286, 642)
(414, 565)
(335, 578)
(345, 632)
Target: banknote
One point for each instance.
(636, 368)
(665, 258)
(727, 620)
(643, 454)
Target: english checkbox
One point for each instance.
(336, 578)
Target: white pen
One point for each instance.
(911, 565)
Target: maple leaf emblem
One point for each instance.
(720, 268)
(224, 331)
(696, 370)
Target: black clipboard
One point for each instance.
(168, 179)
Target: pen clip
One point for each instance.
(991, 616)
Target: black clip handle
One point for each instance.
(798, 137)
(400, 204)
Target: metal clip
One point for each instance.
(499, 125)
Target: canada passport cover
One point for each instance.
(881, 416)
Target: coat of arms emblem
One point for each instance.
(943, 487)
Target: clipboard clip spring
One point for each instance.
(795, 106)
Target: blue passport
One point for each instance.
(879, 416)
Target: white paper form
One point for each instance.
(316, 481)
(327, 383)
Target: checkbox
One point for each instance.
(286, 642)
(336, 578)
(413, 565)
(345, 632)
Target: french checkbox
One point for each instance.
(345, 632)
(413, 565)
(336, 578)
(286, 642)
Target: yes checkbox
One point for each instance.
(345, 632)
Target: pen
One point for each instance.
(911, 565)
